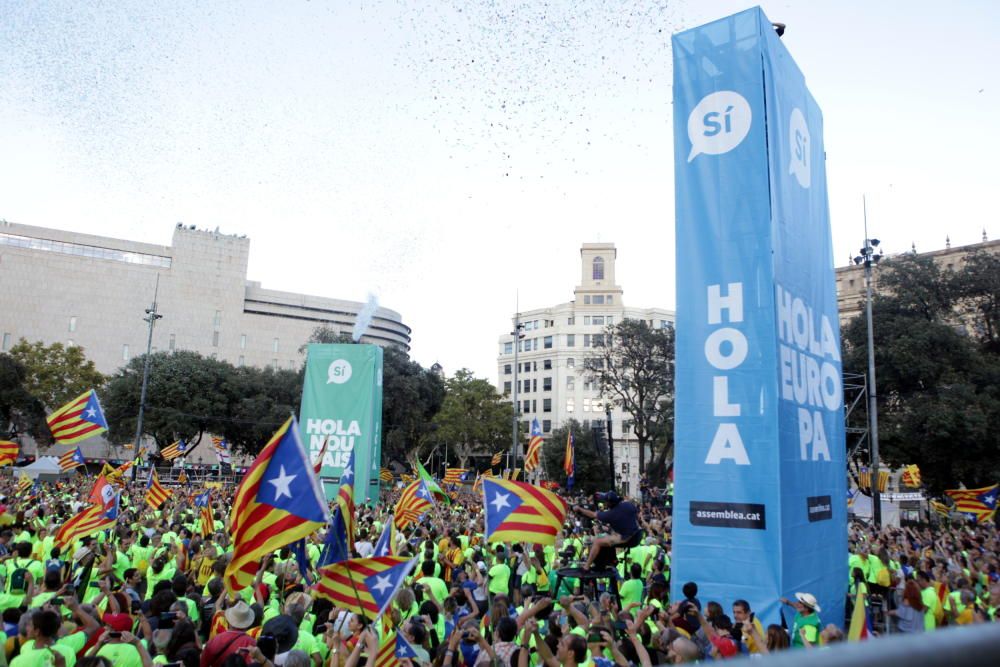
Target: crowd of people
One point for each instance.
(150, 590)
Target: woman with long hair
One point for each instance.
(910, 614)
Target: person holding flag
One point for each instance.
(533, 455)
(569, 461)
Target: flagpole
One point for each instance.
(151, 317)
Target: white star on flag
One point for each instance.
(282, 484)
(347, 474)
(500, 501)
(91, 413)
(382, 583)
(422, 492)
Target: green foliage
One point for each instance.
(634, 367)
(411, 396)
(474, 419)
(56, 373)
(937, 368)
(20, 410)
(591, 466)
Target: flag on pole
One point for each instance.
(413, 502)
(569, 461)
(278, 501)
(385, 475)
(364, 586)
(204, 501)
(23, 483)
(335, 545)
(533, 455)
(173, 450)
(387, 651)
(978, 502)
(861, 622)
(71, 459)
(431, 484)
(298, 548)
(454, 475)
(345, 499)
(520, 512)
(78, 420)
(911, 476)
(318, 464)
(91, 520)
(386, 545)
(222, 451)
(497, 458)
(864, 478)
(940, 508)
(156, 495)
(102, 493)
(8, 452)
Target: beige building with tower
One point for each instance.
(93, 291)
(552, 386)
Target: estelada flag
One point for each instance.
(533, 454)
(78, 420)
(8, 452)
(911, 476)
(278, 502)
(520, 512)
(156, 495)
(71, 459)
(415, 499)
(364, 586)
(454, 475)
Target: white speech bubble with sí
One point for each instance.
(798, 142)
(718, 123)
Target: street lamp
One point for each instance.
(516, 333)
(611, 442)
(869, 259)
(151, 317)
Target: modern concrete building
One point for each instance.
(92, 291)
(550, 359)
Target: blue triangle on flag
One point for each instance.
(499, 504)
(383, 585)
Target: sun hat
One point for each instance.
(808, 600)
(239, 616)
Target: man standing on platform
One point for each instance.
(622, 518)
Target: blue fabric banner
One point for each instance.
(760, 455)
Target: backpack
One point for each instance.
(18, 578)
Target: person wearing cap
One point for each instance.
(239, 617)
(806, 625)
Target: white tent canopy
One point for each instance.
(46, 468)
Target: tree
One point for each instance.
(474, 418)
(20, 410)
(633, 366)
(260, 400)
(591, 464)
(56, 373)
(937, 385)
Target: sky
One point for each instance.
(450, 157)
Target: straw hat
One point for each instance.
(808, 600)
(239, 616)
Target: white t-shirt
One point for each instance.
(364, 549)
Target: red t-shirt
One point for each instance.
(223, 645)
(727, 648)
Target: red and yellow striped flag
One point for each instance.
(71, 459)
(91, 520)
(497, 458)
(454, 475)
(173, 450)
(8, 453)
(364, 586)
(78, 420)
(520, 512)
(911, 476)
(385, 475)
(533, 455)
(156, 495)
(413, 502)
(278, 502)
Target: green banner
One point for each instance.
(342, 403)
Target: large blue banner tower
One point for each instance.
(759, 510)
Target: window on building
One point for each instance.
(586, 424)
(243, 341)
(240, 362)
(274, 346)
(81, 250)
(534, 385)
(172, 343)
(597, 405)
(586, 340)
(506, 387)
(6, 341)
(570, 340)
(597, 320)
(546, 405)
(546, 426)
(508, 348)
(570, 362)
(217, 320)
(534, 365)
(610, 299)
(599, 299)
(274, 364)
(534, 405)
(506, 369)
(527, 406)
(215, 339)
(570, 382)
(570, 321)
(570, 405)
(586, 405)
(72, 324)
(598, 340)
(597, 270)
(547, 343)
(547, 384)
(588, 385)
(626, 426)
(125, 354)
(586, 299)
(547, 365)
(586, 320)
(609, 320)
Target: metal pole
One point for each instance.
(517, 342)
(872, 404)
(611, 446)
(151, 317)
